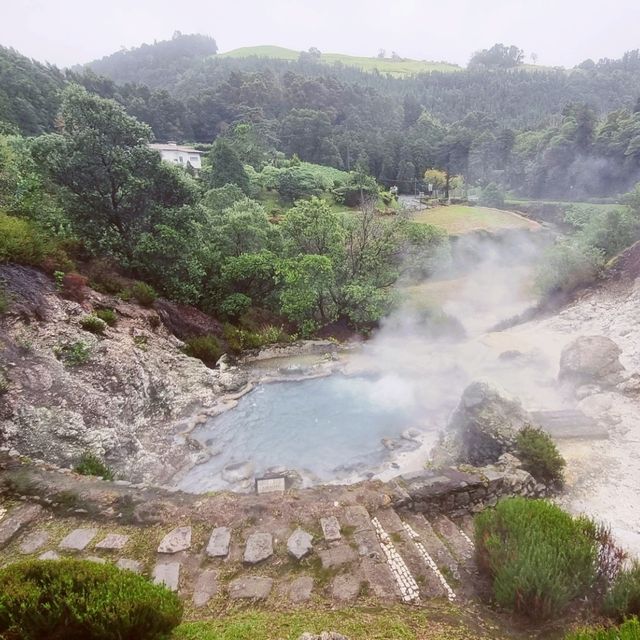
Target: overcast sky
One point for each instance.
(561, 32)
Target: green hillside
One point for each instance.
(399, 68)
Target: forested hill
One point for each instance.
(544, 132)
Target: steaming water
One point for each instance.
(325, 428)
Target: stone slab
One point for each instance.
(168, 574)
(300, 589)
(205, 588)
(219, 542)
(358, 517)
(17, 519)
(299, 543)
(49, 555)
(113, 542)
(259, 547)
(346, 587)
(569, 423)
(336, 556)
(78, 539)
(177, 540)
(250, 587)
(330, 528)
(97, 559)
(33, 541)
(129, 565)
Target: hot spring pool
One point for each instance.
(324, 428)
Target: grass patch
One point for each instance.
(630, 630)
(400, 67)
(90, 465)
(356, 623)
(460, 219)
(623, 599)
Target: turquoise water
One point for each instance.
(323, 428)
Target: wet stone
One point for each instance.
(33, 541)
(259, 547)
(49, 555)
(300, 589)
(18, 518)
(177, 540)
(78, 539)
(299, 543)
(112, 542)
(345, 587)
(330, 528)
(167, 574)
(337, 556)
(219, 542)
(251, 587)
(129, 565)
(205, 588)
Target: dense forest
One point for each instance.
(545, 132)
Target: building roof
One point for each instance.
(172, 146)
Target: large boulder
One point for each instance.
(483, 427)
(591, 360)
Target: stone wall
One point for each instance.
(454, 491)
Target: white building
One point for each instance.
(172, 152)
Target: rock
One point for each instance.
(345, 588)
(184, 321)
(18, 518)
(237, 471)
(483, 427)
(300, 589)
(325, 635)
(49, 555)
(205, 588)
(96, 559)
(250, 587)
(112, 542)
(129, 565)
(299, 543)
(390, 444)
(177, 540)
(591, 360)
(330, 528)
(167, 574)
(33, 541)
(259, 547)
(219, 542)
(337, 556)
(78, 539)
(410, 434)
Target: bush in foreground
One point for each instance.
(145, 294)
(107, 315)
(540, 456)
(630, 630)
(94, 324)
(538, 557)
(623, 598)
(77, 600)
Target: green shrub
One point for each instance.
(145, 294)
(623, 598)
(107, 315)
(235, 305)
(492, 196)
(630, 630)
(79, 599)
(537, 556)
(20, 241)
(93, 323)
(540, 456)
(90, 465)
(241, 339)
(73, 354)
(205, 348)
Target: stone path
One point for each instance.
(341, 557)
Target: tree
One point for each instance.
(498, 56)
(436, 178)
(492, 196)
(297, 182)
(114, 186)
(227, 167)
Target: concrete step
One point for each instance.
(427, 580)
(465, 524)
